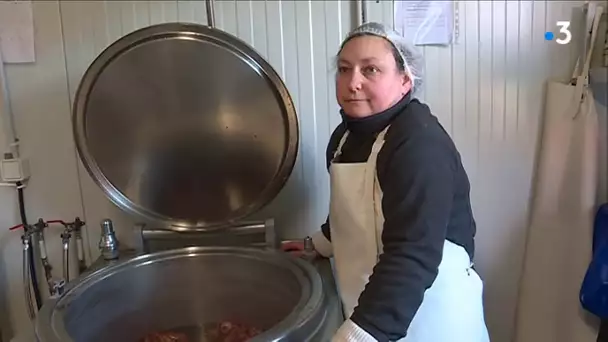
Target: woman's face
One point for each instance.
(368, 80)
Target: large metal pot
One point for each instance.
(189, 130)
(186, 288)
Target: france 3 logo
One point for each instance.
(563, 37)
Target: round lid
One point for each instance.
(185, 125)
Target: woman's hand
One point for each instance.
(300, 248)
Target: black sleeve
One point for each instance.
(417, 199)
(325, 229)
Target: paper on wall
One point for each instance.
(425, 22)
(17, 31)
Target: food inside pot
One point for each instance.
(165, 336)
(215, 332)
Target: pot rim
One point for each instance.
(50, 328)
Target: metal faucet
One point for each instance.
(108, 244)
(309, 250)
(58, 288)
(308, 246)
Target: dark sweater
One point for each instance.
(425, 201)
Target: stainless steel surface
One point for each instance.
(108, 244)
(188, 288)
(332, 303)
(190, 129)
(185, 126)
(259, 234)
(210, 12)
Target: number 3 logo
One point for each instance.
(565, 29)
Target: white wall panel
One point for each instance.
(486, 89)
(39, 98)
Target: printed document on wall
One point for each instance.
(17, 31)
(425, 22)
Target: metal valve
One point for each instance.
(108, 244)
(58, 287)
(308, 246)
(309, 250)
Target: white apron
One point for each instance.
(452, 310)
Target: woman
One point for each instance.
(400, 225)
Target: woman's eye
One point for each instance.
(342, 69)
(370, 70)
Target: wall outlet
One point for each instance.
(14, 170)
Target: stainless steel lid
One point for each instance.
(185, 125)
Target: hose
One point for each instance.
(45, 260)
(32, 267)
(27, 275)
(65, 239)
(82, 266)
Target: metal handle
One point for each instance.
(259, 234)
(210, 13)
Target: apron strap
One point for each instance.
(380, 140)
(375, 148)
(338, 150)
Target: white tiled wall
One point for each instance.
(487, 90)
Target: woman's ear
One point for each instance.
(406, 85)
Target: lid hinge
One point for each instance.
(259, 234)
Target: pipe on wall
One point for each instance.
(358, 12)
(209, 5)
(363, 11)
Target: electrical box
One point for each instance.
(14, 170)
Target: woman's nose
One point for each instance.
(355, 82)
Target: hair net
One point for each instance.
(411, 58)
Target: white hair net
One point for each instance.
(412, 60)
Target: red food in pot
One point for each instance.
(167, 336)
(225, 331)
(231, 332)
